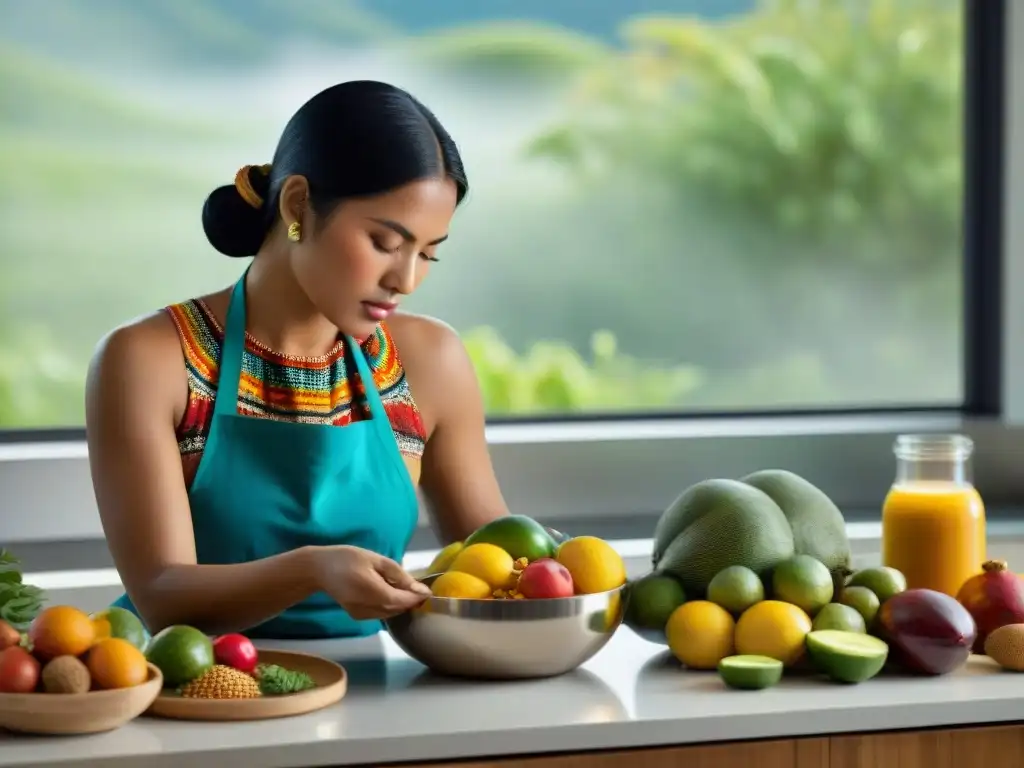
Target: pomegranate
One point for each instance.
(994, 597)
(235, 651)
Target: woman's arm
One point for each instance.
(135, 390)
(457, 477)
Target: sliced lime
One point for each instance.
(848, 657)
(750, 672)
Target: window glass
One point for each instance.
(675, 205)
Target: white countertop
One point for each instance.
(629, 695)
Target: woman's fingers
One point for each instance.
(399, 578)
(379, 598)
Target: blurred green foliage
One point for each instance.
(552, 377)
(826, 130)
(39, 386)
(837, 121)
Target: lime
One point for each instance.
(839, 616)
(883, 581)
(652, 600)
(863, 600)
(847, 657)
(735, 588)
(750, 673)
(120, 623)
(804, 582)
(182, 654)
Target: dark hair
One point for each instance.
(354, 139)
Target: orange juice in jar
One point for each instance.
(933, 520)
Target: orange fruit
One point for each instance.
(61, 630)
(461, 585)
(594, 564)
(116, 663)
(775, 629)
(488, 562)
(700, 634)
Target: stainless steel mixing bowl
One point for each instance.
(507, 639)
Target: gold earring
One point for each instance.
(294, 232)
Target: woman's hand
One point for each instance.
(367, 585)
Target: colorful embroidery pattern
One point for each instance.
(312, 390)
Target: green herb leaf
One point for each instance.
(275, 680)
(20, 603)
(10, 570)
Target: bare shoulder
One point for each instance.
(140, 359)
(437, 366)
(146, 340)
(425, 339)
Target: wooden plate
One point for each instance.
(331, 685)
(78, 713)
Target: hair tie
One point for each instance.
(244, 184)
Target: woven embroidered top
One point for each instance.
(314, 390)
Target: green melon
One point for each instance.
(715, 524)
(519, 535)
(816, 522)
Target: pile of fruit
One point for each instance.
(753, 577)
(515, 557)
(225, 667)
(66, 650)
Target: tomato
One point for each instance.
(236, 651)
(19, 671)
(8, 636)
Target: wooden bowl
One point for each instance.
(331, 686)
(78, 713)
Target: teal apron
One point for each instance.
(264, 487)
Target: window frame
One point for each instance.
(600, 468)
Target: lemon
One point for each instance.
(700, 634)
(485, 561)
(443, 560)
(593, 564)
(458, 584)
(774, 629)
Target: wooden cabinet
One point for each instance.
(990, 747)
(995, 747)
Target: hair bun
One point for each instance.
(231, 225)
(234, 218)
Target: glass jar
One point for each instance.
(933, 519)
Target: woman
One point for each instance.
(255, 452)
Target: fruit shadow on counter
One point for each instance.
(656, 667)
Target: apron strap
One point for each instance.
(231, 350)
(369, 385)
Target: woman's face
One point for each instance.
(373, 252)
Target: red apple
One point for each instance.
(546, 578)
(236, 651)
(928, 632)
